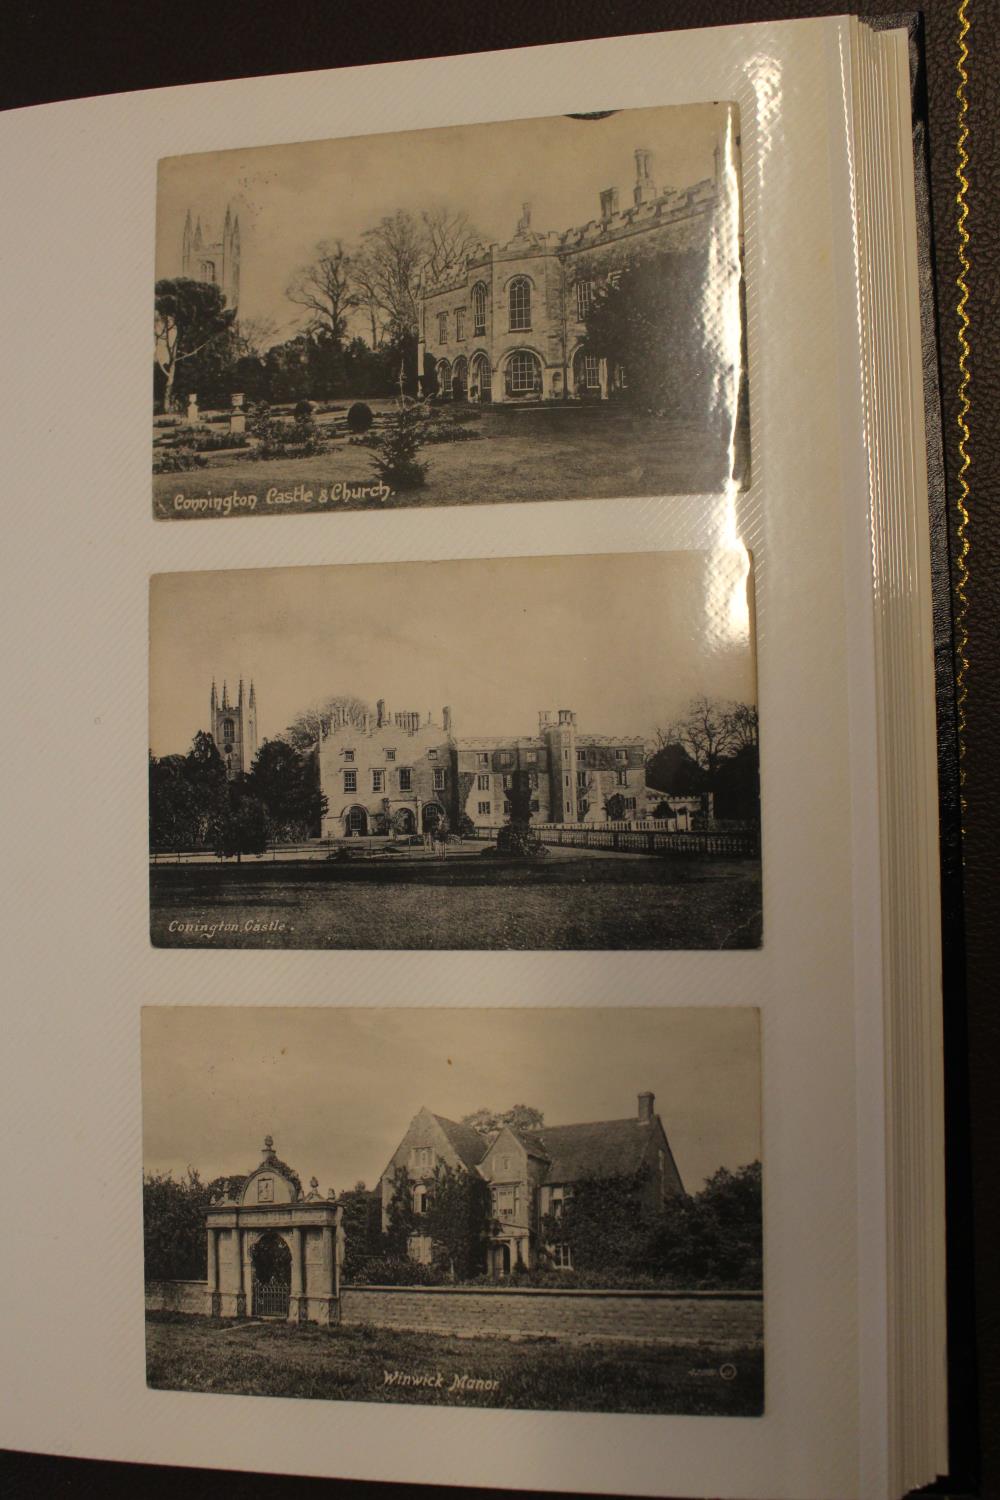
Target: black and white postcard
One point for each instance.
(347, 1204)
(523, 310)
(586, 775)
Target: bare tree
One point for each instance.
(314, 723)
(394, 253)
(448, 238)
(366, 283)
(325, 288)
(706, 733)
(743, 727)
(254, 336)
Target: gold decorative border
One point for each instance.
(965, 401)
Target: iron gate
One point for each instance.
(270, 1298)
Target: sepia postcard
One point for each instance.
(378, 321)
(587, 776)
(597, 1248)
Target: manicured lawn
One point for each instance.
(576, 899)
(542, 1374)
(557, 456)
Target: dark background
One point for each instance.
(51, 51)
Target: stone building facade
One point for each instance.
(530, 1174)
(405, 772)
(234, 727)
(213, 260)
(508, 322)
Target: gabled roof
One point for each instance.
(468, 1143)
(603, 1148)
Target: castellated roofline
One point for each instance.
(648, 204)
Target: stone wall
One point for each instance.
(177, 1296)
(735, 1318)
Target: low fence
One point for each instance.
(648, 836)
(177, 1296)
(723, 1318)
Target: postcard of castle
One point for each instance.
(349, 1204)
(378, 321)
(586, 776)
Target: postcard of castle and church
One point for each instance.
(415, 1205)
(379, 321)
(585, 777)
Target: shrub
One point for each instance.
(443, 434)
(360, 417)
(177, 463)
(395, 456)
(302, 409)
(278, 439)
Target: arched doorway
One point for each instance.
(432, 817)
(404, 821)
(271, 1261)
(357, 821)
(444, 378)
(499, 1261)
(459, 378)
(482, 378)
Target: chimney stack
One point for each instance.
(380, 713)
(446, 719)
(646, 1102)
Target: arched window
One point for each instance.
(479, 307)
(459, 378)
(524, 373)
(519, 303)
(228, 729)
(419, 1200)
(481, 377)
(444, 377)
(208, 270)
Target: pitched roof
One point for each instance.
(468, 1143)
(604, 1147)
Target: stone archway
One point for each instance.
(404, 820)
(271, 1275)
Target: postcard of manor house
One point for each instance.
(585, 777)
(551, 1209)
(379, 321)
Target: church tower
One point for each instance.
(213, 260)
(234, 728)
